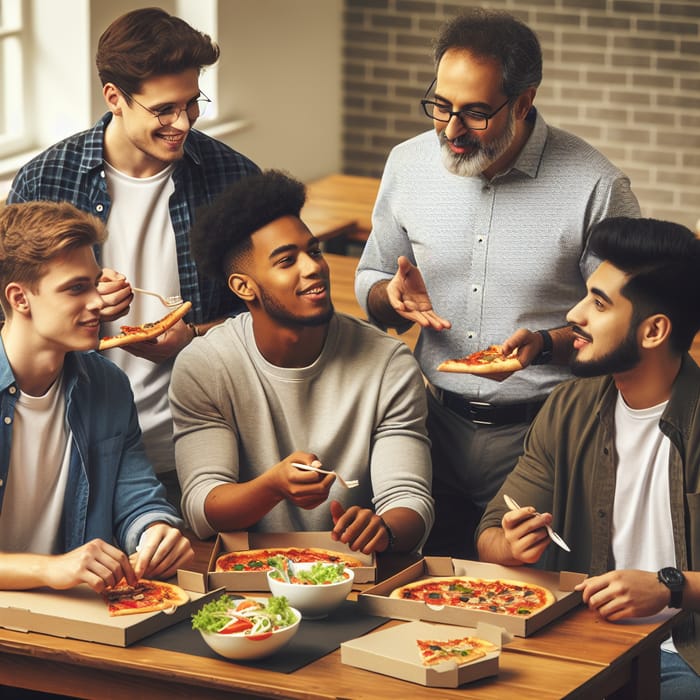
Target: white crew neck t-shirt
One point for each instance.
(32, 510)
(141, 245)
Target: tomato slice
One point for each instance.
(247, 603)
(259, 637)
(238, 625)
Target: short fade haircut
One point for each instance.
(220, 238)
(500, 36)
(662, 260)
(34, 233)
(149, 42)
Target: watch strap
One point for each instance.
(545, 356)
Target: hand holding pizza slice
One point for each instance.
(146, 331)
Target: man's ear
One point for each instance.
(655, 330)
(522, 105)
(16, 298)
(112, 95)
(243, 286)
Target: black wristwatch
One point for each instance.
(545, 357)
(674, 580)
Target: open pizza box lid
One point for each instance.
(376, 600)
(394, 652)
(257, 580)
(80, 613)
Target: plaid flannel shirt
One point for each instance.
(72, 170)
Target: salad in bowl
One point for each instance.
(246, 628)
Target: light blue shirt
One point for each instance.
(495, 255)
(112, 492)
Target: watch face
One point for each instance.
(672, 576)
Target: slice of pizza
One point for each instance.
(146, 331)
(488, 361)
(145, 596)
(462, 651)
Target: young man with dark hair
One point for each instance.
(612, 460)
(291, 381)
(480, 228)
(77, 494)
(144, 171)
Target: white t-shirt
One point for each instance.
(141, 245)
(39, 461)
(642, 528)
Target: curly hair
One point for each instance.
(498, 35)
(662, 260)
(149, 42)
(220, 238)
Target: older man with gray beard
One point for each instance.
(480, 228)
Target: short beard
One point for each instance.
(279, 313)
(484, 155)
(624, 357)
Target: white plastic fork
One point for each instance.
(554, 536)
(170, 302)
(350, 484)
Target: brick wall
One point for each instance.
(623, 74)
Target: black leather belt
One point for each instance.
(483, 413)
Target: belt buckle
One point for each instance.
(479, 407)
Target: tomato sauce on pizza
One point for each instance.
(491, 360)
(144, 596)
(259, 559)
(502, 596)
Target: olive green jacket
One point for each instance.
(568, 469)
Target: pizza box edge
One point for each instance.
(392, 652)
(84, 615)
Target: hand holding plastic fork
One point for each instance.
(350, 484)
(555, 537)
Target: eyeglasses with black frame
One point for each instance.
(476, 121)
(194, 109)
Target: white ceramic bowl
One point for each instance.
(242, 647)
(313, 601)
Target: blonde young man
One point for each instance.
(77, 494)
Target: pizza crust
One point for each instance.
(146, 331)
(226, 561)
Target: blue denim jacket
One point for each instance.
(112, 492)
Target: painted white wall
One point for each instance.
(279, 72)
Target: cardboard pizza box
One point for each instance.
(257, 580)
(376, 600)
(80, 613)
(393, 652)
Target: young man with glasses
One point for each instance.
(479, 229)
(144, 171)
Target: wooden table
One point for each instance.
(339, 199)
(578, 656)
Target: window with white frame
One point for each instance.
(14, 132)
